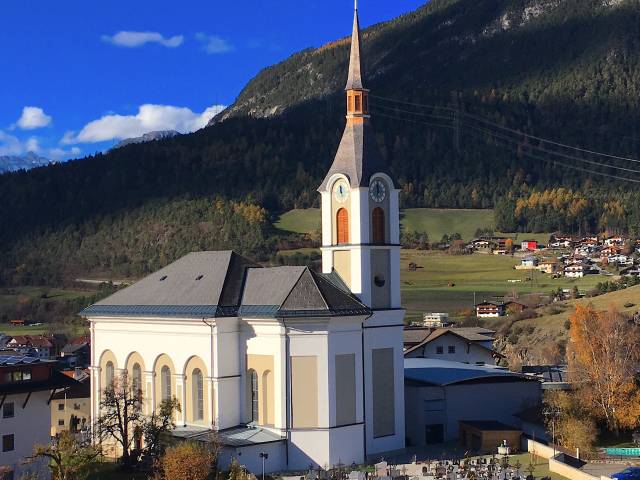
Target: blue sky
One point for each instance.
(80, 75)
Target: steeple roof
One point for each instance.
(358, 156)
(354, 81)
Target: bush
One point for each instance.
(186, 461)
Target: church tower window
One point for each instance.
(377, 220)
(342, 226)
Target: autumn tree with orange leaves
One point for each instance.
(603, 358)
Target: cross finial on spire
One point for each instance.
(355, 69)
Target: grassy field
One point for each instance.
(436, 222)
(299, 220)
(447, 283)
(10, 295)
(554, 317)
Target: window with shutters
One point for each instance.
(377, 222)
(342, 226)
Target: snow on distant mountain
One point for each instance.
(11, 163)
(148, 137)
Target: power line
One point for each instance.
(583, 150)
(528, 154)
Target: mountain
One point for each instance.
(529, 46)
(21, 162)
(148, 137)
(462, 92)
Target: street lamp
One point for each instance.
(553, 413)
(264, 456)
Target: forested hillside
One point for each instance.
(481, 80)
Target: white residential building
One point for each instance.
(464, 345)
(26, 386)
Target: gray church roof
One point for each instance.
(222, 284)
(200, 284)
(296, 292)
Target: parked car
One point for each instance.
(631, 473)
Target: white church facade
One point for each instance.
(305, 366)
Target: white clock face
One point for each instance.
(378, 191)
(341, 191)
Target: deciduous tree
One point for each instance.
(603, 358)
(68, 458)
(188, 461)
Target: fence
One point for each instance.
(560, 462)
(623, 452)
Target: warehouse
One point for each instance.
(440, 394)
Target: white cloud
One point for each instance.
(33, 117)
(68, 138)
(213, 44)
(129, 39)
(10, 145)
(32, 145)
(61, 153)
(148, 119)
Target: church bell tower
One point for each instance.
(360, 215)
(361, 243)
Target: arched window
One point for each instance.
(109, 374)
(136, 381)
(342, 226)
(197, 394)
(377, 221)
(254, 396)
(165, 383)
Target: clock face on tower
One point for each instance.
(341, 191)
(378, 191)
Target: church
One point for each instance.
(306, 367)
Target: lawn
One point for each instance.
(541, 466)
(9, 296)
(448, 283)
(299, 220)
(555, 321)
(435, 221)
(438, 222)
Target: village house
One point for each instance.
(71, 407)
(527, 263)
(548, 267)
(529, 245)
(490, 309)
(26, 386)
(465, 345)
(575, 270)
(34, 345)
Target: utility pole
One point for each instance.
(456, 122)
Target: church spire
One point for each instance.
(355, 68)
